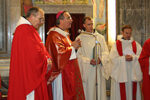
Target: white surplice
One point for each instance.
(125, 71)
(88, 72)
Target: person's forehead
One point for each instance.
(88, 21)
(40, 17)
(66, 14)
(40, 13)
(127, 29)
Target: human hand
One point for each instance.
(49, 64)
(76, 44)
(128, 57)
(93, 61)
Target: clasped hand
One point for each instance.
(93, 61)
(128, 57)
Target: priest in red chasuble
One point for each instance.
(126, 73)
(144, 60)
(30, 61)
(65, 77)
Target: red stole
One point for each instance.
(122, 85)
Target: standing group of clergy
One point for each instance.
(122, 64)
(52, 72)
(130, 72)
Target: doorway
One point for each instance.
(50, 20)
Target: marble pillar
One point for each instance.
(12, 13)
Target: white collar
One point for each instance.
(90, 33)
(131, 40)
(119, 37)
(60, 31)
(22, 20)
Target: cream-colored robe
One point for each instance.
(125, 71)
(88, 72)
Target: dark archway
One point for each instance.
(50, 20)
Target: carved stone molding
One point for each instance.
(86, 9)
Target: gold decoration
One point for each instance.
(61, 2)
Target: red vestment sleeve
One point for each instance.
(28, 65)
(144, 56)
(144, 63)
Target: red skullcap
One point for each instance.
(58, 14)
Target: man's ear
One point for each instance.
(121, 32)
(84, 25)
(60, 21)
(32, 16)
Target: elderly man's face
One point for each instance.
(67, 21)
(88, 25)
(38, 19)
(127, 33)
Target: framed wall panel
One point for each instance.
(3, 31)
(4, 47)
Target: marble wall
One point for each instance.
(10, 13)
(3, 27)
(136, 13)
(11, 8)
(1, 24)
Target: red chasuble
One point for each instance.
(144, 62)
(122, 85)
(28, 65)
(60, 50)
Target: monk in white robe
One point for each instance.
(87, 63)
(126, 73)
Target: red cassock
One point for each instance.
(144, 62)
(28, 65)
(60, 51)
